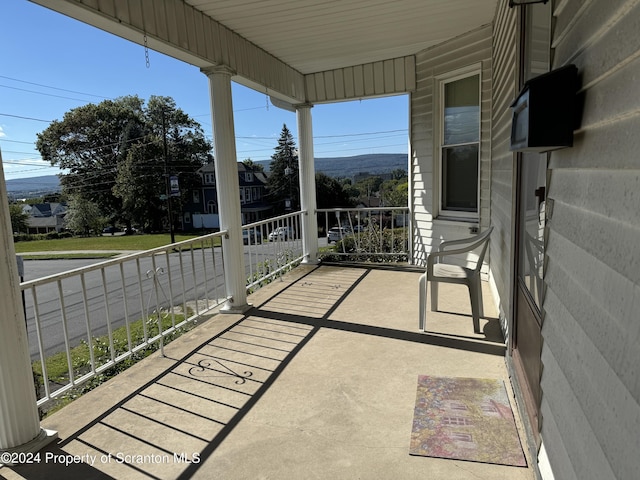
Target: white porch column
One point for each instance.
(307, 174)
(19, 420)
(227, 188)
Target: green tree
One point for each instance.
(395, 193)
(330, 193)
(19, 219)
(174, 145)
(283, 179)
(83, 216)
(113, 154)
(256, 167)
(88, 144)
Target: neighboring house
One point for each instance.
(201, 211)
(46, 217)
(564, 263)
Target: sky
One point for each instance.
(50, 64)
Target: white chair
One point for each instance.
(450, 273)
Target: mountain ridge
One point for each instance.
(348, 167)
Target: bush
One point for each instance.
(372, 245)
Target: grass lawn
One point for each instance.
(107, 242)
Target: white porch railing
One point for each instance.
(274, 246)
(83, 322)
(368, 234)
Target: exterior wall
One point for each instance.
(394, 76)
(428, 231)
(502, 159)
(591, 352)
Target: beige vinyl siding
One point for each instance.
(591, 352)
(390, 77)
(473, 48)
(502, 159)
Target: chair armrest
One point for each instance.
(470, 243)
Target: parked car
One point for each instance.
(251, 236)
(281, 233)
(111, 229)
(337, 233)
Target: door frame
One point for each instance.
(526, 317)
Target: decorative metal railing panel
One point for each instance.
(84, 322)
(379, 234)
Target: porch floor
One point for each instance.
(331, 356)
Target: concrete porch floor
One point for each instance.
(327, 364)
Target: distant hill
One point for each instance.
(350, 166)
(334, 167)
(33, 186)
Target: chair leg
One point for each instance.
(422, 288)
(434, 296)
(476, 304)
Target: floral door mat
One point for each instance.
(465, 419)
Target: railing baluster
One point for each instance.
(126, 307)
(87, 319)
(65, 332)
(108, 314)
(43, 362)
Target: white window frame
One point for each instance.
(196, 196)
(439, 145)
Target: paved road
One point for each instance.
(112, 293)
(106, 298)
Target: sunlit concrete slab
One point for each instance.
(318, 380)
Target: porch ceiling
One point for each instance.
(281, 44)
(313, 36)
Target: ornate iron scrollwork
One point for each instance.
(205, 365)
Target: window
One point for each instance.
(248, 176)
(460, 145)
(461, 437)
(209, 178)
(196, 196)
(211, 207)
(456, 421)
(187, 217)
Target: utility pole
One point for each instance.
(167, 178)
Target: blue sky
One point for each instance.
(51, 64)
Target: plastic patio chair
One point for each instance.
(438, 271)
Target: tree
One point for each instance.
(395, 193)
(283, 179)
(113, 155)
(88, 144)
(330, 193)
(19, 219)
(175, 146)
(256, 167)
(83, 216)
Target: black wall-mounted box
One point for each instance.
(543, 112)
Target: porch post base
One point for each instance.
(309, 261)
(237, 309)
(44, 438)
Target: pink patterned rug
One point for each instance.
(465, 419)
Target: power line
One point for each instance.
(43, 93)
(25, 118)
(53, 88)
